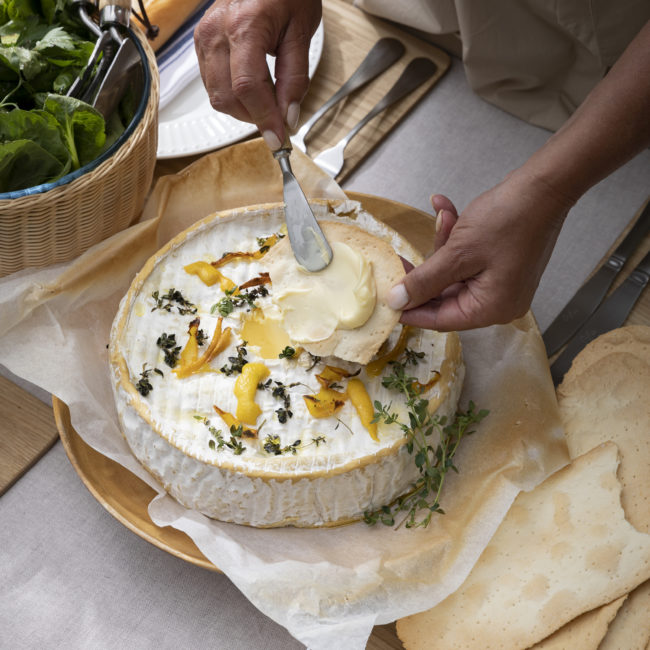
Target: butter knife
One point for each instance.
(308, 243)
(610, 315)
(589, 296)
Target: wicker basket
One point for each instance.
(57, 222)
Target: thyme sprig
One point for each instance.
(236, 363)
(433, 462)
(144, 385)
(167, 342)
(272, 445)
(218, 442)
(247, 299)
(279, 391)
(412, 357)
(172, 298)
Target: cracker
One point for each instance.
(585, 632)
(563, 549)
(359, 344)
(606, 396)
(631, 627)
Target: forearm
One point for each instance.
(609, 128)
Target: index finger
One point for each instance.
(253, 87)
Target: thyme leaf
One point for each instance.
(167, 342)
(287, 353)
(144, 385)
(236, 363)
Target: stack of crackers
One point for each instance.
(569, 567)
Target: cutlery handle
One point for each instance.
(383, 54)
(634, 237)
(415, 74)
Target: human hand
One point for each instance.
(232, 41)
(487, 262)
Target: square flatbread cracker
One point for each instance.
(563, 549)
(361, 343)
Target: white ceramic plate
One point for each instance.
(188, 125)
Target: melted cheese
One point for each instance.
(313, 305)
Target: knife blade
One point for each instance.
(589, 296)
(610, 315)
(308, 243)
(126, 70)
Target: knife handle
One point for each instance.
(633, 238)
(641, 273)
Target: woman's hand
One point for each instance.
(232, 41)
(487, 261)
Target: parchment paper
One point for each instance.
(327, 587)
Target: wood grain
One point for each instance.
(27, 431)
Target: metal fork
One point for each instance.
(416, 73)
(382, 55)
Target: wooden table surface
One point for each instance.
(27, 428)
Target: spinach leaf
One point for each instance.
(39, 126)
(24, 163)
(82, 125)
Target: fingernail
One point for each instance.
(272, 140)
(439, 221)
(293, 115)
(397, 297)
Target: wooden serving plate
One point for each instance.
(122, 493)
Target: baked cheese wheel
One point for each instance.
(241, 423)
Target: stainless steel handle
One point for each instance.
(415, 73)
(384, 53)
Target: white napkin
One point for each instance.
(177, 61)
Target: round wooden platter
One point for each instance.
(122, 493)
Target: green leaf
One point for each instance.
(38, 126)
(20, 9)
(55, 40)
(22, 61)
(24, 163)
(83, 127)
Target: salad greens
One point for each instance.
(44, 134)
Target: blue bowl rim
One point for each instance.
(72, 176)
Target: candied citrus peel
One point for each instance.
(361, 401)
(189, 361)
(325, 403)
(254, 255)
(328, 401)
(231, 421)
(245, 388)
(376, 367)
(210, 275)
(423, 388)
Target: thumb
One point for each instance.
(427, 281)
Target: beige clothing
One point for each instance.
(536, 59)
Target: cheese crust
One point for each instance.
(337, 471)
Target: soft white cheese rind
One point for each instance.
(321, 485)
